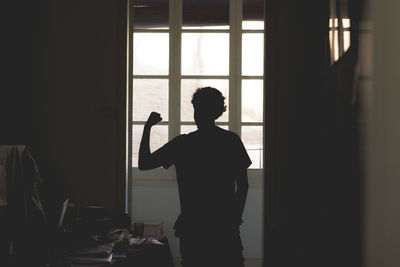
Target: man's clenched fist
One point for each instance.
(153, 119)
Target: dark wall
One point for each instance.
(79, 111)
(72, 96)
(17, 74)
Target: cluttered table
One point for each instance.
(58, 232)
(99, 240)
(148, 251)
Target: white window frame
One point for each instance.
(159, 176)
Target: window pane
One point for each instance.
(205, 53)
(331, 44)
(158, 137)
(252, 137)
(335, 45)
(346, 40)
(252, 54)
(205, 14)
(252, 100)
(150, 14)
(346, 23)
(189, 86)
(149, 95)
(150, 53)
(185, 129)
(333, 22)
(253, 15)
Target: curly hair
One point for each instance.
(210, 100)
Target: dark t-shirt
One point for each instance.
(206, 165)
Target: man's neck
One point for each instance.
(207, 127)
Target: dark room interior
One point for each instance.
(330, 186)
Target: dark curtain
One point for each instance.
(344, 199)
(312, 183)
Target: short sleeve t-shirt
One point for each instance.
(207, 163)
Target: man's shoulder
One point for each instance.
(228, 134)
(219, 134)
(179, 138)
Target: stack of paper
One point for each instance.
(96, 254)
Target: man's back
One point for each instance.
(211, 166)
(206, 164)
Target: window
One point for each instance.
(339, 37)
(177, 46)
(339, 29)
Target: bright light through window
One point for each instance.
(339, 37)
(205, 53)
(207, 45)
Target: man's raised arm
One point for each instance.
(146, 161)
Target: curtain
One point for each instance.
(312, 181)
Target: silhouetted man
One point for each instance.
(211, 166)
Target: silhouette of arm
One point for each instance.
(146, 160)
(242, 186)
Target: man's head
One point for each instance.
(208, 105)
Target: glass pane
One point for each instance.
(189, 86)
(331, 46)
(150, 53)
(205, 53)
(334, 45)
(150, 14)
(158, 137)
(252, 54)
(334, 22)
(149, 95)
(205, 14)
(253, 15)
(185, 129)
(252, 100)
(346, 23)
(346, 40)
(252, 137)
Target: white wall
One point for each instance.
(382, 186)
(155, 203)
